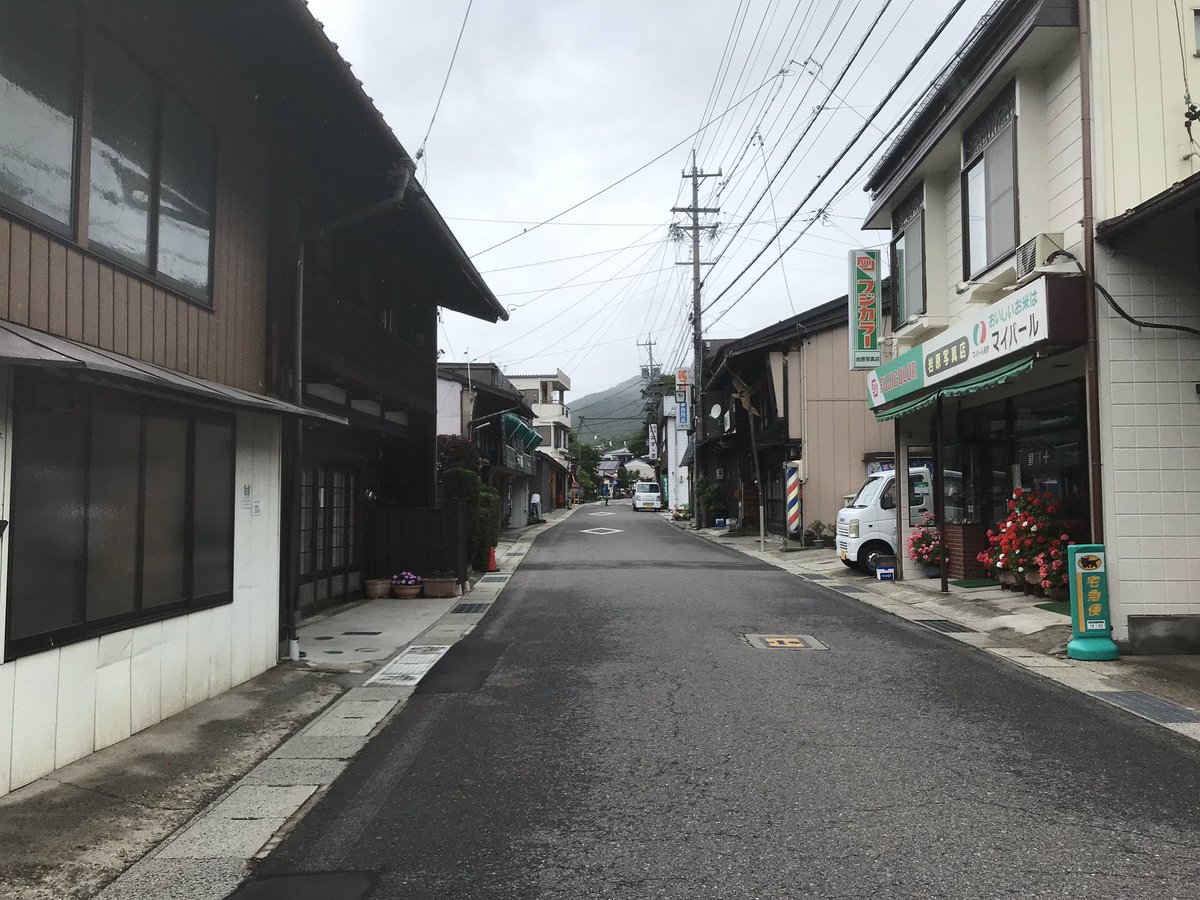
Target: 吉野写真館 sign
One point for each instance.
(864, 309)
(1018, 321)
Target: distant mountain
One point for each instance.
(613, 414)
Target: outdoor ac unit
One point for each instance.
(720, 472)
(1035, 251)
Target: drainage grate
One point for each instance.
(470, 607)
(409, 667)
(493, 579)
(1154, 708)
(850, 589)
(945, 626)
(818, 577)
(784, 642)
(344, 633)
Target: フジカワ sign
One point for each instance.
(864, 309)
(1014, 323)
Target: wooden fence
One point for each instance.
(418, 540)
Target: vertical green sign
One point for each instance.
(864, 309)
(1089, 604)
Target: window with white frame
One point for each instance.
(908, 258)
(989, 186)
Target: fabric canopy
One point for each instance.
(520, 432)
(958, 389)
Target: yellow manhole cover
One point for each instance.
(784, 642)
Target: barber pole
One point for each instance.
(793, 499)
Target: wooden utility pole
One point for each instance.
(696, 210)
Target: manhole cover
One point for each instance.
(945, 626)
(785, 642)
(470, 607)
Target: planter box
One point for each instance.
(441, 587)
(406, 591)
(377, 588)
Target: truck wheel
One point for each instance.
(870, 553)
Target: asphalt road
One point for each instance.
(627, 742)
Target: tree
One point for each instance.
(456, 452)
(586, 460)
(623, 479)
(638, 442)
(652, 394)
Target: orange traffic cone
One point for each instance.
(492, 567)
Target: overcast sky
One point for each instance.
(551, 101)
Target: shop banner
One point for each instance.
(864, 309)
(652, 443)
(1005, 327)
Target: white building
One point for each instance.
(673, 444)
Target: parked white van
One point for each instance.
(866, 529)
(647, 495)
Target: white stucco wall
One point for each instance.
(449, 407)
(63, 704)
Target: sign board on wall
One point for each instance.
(682, 417)
(652, 442)
(864, 309)
(1014, 323)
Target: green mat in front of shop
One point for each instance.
(975, 582)
(1062, 607)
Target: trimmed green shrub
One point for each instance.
(489, 525)
(464, 485)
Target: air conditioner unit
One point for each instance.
(720, 473)
(1035, 251)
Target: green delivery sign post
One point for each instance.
(1089, 604)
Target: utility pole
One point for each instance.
(696, 210)
(649, 345)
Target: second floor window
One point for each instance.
(989, 189)
(908, 258)
(151, 197)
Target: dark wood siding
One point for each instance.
(55, 285)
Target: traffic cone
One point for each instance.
(492, 567)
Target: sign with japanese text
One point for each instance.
(682, 417)
(1089, 603)
(864, 309)
(681, 380)
(652, 442)
(1005, 327)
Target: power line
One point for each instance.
(563, 287)
(547, 262)
(624, 178)
(846, 150)
(446, 81)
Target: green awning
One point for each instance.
(959, 389)
(520, 433)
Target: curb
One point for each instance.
(217, 848)
(1089, 679)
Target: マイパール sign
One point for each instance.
(864, 309)
(1007, 326)
(1089, 603)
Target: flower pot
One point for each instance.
(406, 591)
(377, 588)
(932, 571)
(441, 587)
(1008, 580)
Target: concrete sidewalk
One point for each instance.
(1006, 624)
(182, 809)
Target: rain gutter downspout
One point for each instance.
(1091, 364)
(365, 212)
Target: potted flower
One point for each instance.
(1052, 567)
(925, 546)
(376, 588)
(406, 586)
(1026, 532)
(441, 584)
(817, 531)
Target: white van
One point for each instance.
(866, 529)
(647, 495)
